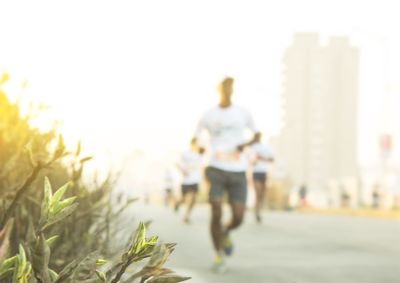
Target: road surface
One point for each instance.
(288, 247)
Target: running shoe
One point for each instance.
(219, 265)
(258, 218)
(227, 245)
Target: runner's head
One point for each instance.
(225, 92)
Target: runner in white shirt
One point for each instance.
(260, 157)
(190, 166)
(169, 187)
(226, 125)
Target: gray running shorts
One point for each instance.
(234, 183)
(189, 188)
(259, 177)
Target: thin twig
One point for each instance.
(20, 193)
(121, 272)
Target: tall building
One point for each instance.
(318, 141)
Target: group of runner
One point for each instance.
(225, 160)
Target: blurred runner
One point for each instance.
(169, 198)
(260, 157)
(190, 166)
(226, 125)
(376, 196)
(303, 196)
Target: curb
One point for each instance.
(364, 213)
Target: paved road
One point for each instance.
(288, 247)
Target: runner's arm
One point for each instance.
(252, 141)
(251, 126)
(199, 129)
(268, 159)
(181, 164)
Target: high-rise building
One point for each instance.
(318, 141)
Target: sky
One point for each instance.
(129, 75)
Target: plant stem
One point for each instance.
(121, 272)
(113, 269)
(20, 193)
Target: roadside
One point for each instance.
(363, 212)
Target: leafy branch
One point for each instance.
(28, 182)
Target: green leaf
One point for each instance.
(23, 268)
(60, 148)
(7, 266)
(9, 262)
(59, 193)
(5, 272)
(53, 275)
(61, 215)
(22, 254)
(48, 194)
(159, 256)
(85, 159)
(170, 278)
(139, 240)
(78, 149)
(171, 246)
(101, 275)
(100, 262)
(153, 240)
(50, 241)
(67, 202)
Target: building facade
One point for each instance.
(318, 139)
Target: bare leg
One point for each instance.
(216, 225)
(166, 200)
(238, 210)
(192, 201)
(180, 201)
(260, 188)
(169, 199)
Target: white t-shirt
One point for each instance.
(168, 179)
(226, 128)
(190, 164)
(263, 151)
